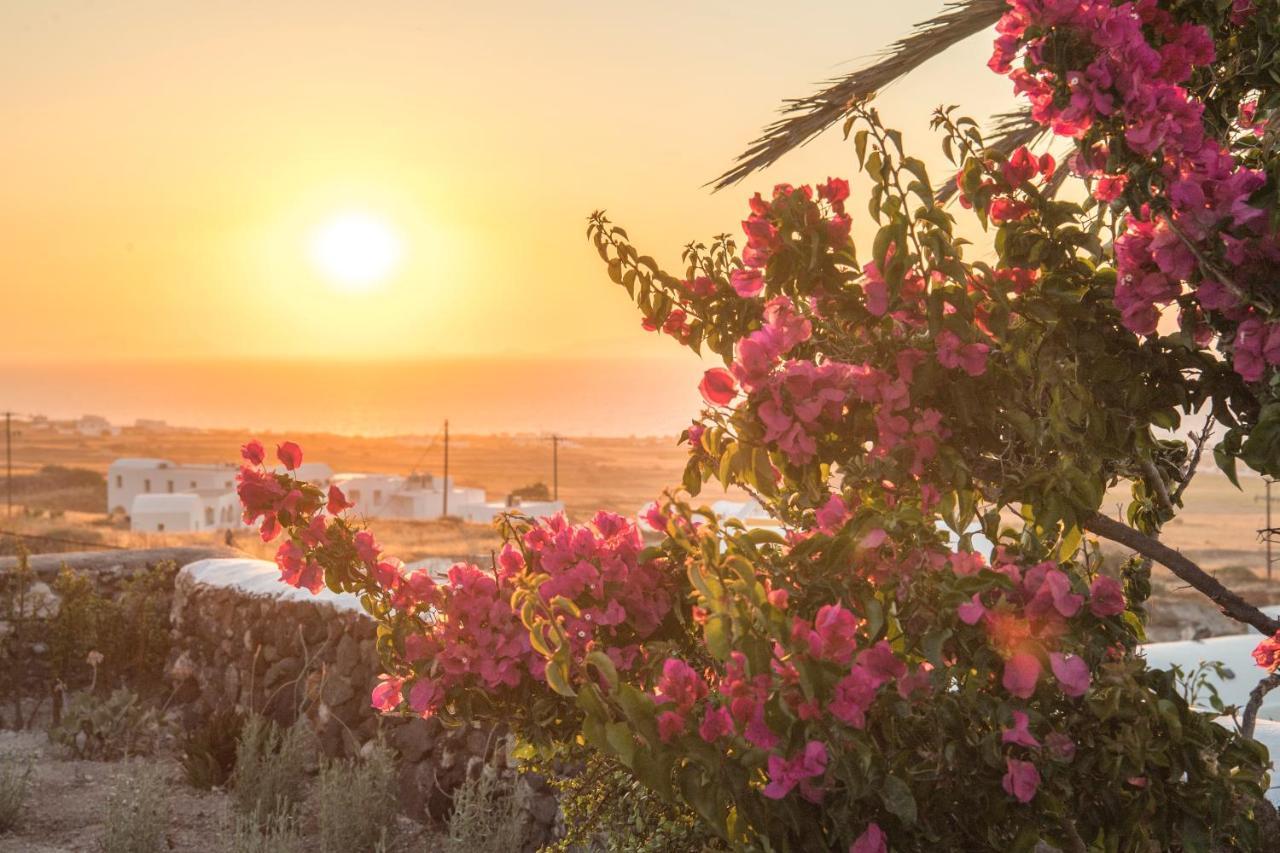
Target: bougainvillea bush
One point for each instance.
(863, 679)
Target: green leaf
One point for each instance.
(621, 742)
(897, 798)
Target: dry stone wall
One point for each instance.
(242, 639)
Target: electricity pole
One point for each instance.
(555, 467)
(444, 510)
(8, 462)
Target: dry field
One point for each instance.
(1218, 527)
(618, 474)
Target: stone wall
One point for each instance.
(242, 639)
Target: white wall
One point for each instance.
(125, 481)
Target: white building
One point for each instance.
(483, 513)
(129, 478)
(186, 512)
(421, 496)
(150, 425)
(415, 496)
(94, 426)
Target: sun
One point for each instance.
(355, 250)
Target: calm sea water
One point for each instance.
(580, 397)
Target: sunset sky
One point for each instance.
(164, 170)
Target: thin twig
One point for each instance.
(1198, 442)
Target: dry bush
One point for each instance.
(137, 815)
(486, 816)
(356, 803)
(15, 787)
(271, 769)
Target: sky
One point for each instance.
(166, 166)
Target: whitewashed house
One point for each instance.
(94, 426)
(128, 478)
(414, 496)
(186, 512)
(483, 513)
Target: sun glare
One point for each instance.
(355, 251)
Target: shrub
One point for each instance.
(208, 750)
(279, 835)
(24, 608)
(131, 632)
(116, 726)
(270, 769)
(355, 802)
(137, 815)
(606, 809)
(15, 787)
(486, 816)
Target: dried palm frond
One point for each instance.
(804, 118)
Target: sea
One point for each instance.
(586, 397)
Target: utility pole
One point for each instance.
(444, 510)
(8, 461)
(555, 467)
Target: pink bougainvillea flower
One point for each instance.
(367, 548)
(853, 696)
(785, 774)
(337, 501)
(716, 723)
(718, 386)
(1021, 780)
(423, 696)
(836, 192)
(290, 455)
(953, 353)
(1072, 673)
(1020, 734)
(297, 569)
(253, 452)
(747, 283)
(872, 840)
(680, 684)
(1021, 672)
(1267, 654)
(670, 725)
(832, 515)
(874, 538)
(386, 695)
(1106, 597)
(972, 611)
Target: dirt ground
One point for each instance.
(66, 808)
(67, 804)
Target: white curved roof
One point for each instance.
(166, 502)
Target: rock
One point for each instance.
(336, 691)
(412, 739)
(281, 671)
(347, 655)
